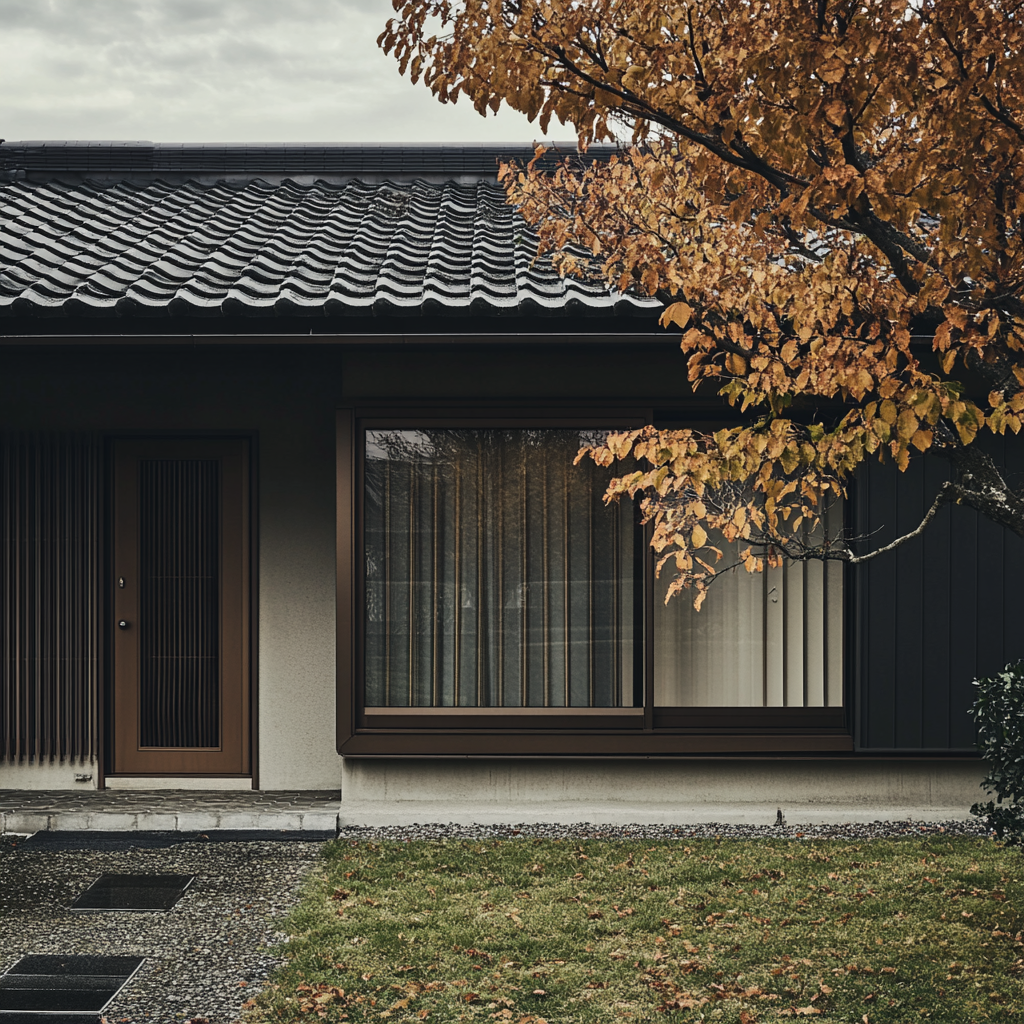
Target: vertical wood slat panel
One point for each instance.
(834, 611)
(179, 556)
(815, 634)
(49, 573)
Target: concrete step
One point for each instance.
(24, 812)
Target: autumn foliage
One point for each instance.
(829, 199)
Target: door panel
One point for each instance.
(181, 667)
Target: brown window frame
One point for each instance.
(436, 732)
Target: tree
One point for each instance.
(829, 199)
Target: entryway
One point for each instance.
(180, 583)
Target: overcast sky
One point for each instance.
(220, 71)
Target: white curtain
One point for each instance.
(771, 639)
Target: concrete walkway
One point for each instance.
(26, 811)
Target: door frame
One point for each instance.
(105, 594)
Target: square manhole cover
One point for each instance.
(133, 892)
(63, 984)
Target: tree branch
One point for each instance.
(947, 492)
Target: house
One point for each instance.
(287, 502)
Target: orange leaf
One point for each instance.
(678, 313)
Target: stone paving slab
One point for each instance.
(24, 811)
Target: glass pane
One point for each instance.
(495, 574)
(771, 639)
(179, 630)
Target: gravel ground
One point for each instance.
(710, 830)
(203, 958)
(213, 950)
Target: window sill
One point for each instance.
(751, 719)
(543, 719)
(510, 742)
(693, 721)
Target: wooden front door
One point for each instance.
(181, 607)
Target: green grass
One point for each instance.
(526, 931)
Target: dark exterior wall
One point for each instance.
(929, 617)
(935, 614)
(645, 373)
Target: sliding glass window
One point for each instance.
(498, 594)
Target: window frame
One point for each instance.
(644, 731)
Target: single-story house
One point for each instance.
(287, 502)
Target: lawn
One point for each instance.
(526, 931)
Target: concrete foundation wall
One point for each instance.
(404, 791)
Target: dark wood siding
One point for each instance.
(49, 641)
(933, 615)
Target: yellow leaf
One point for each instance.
(967, 432)
(735, 364)
(906, 425)
(922, 440)
(699, 538)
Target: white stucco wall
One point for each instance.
(47, 775)
(297, 743)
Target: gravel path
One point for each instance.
(203, 958)
(710, 830)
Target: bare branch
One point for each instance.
(947, 492)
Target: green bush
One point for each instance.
(999, 715)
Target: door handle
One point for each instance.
(122, 623)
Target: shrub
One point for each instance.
(999, 715)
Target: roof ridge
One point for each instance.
(252, 158)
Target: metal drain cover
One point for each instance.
(63, 985)
(133, 892)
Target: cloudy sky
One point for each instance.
(219, 71)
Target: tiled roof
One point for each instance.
(137, 248)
